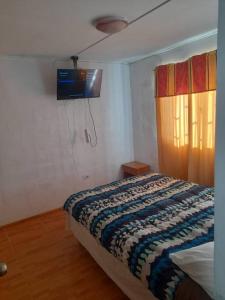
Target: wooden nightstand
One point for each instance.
(135, 168)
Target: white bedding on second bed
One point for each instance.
(198, 263)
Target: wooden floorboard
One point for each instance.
(46, 262)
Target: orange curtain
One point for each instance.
(185, 103)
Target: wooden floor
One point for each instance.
(46, 262)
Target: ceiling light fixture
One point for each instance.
(110, 24)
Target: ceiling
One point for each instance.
(63, 27)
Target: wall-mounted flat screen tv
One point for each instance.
(78, 83)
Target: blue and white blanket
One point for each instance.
(141, 220)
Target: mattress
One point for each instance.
(140, 221)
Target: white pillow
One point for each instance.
(198, 263)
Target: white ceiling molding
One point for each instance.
(205, 35)
(193, 39)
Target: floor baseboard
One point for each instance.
(32, 217)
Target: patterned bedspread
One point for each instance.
(141, 220)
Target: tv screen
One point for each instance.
(78, 83)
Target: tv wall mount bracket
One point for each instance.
(75, 60)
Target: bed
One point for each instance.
(132, 226)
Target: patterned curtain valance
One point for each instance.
(195, 75)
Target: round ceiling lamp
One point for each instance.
(111, 24)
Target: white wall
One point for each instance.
(220, 162)
(43, 154)
(143, 99)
